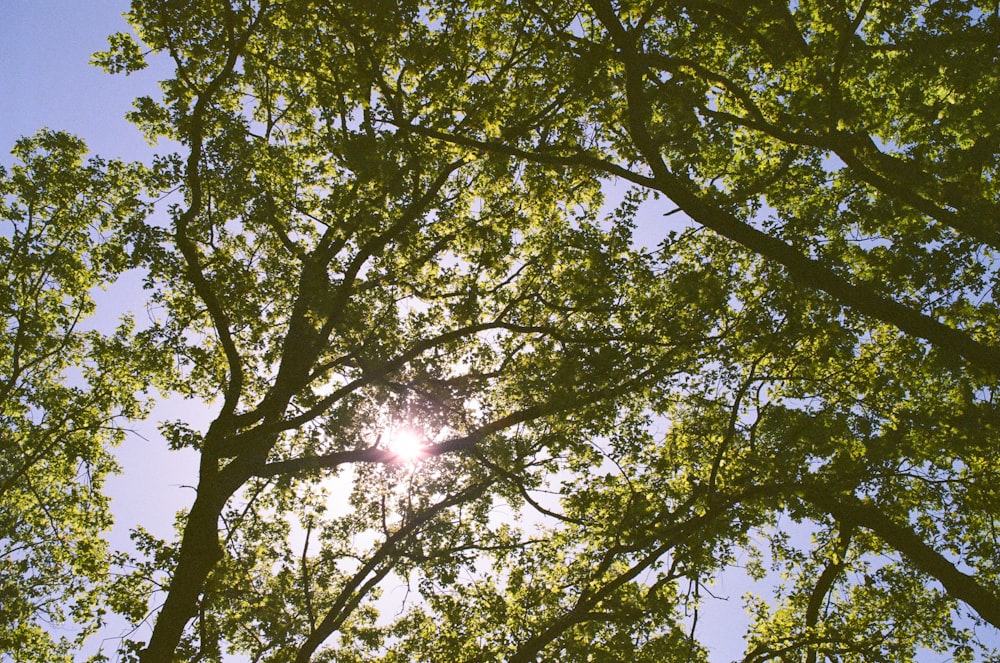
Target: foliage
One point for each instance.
(413, 215)
(65, 391)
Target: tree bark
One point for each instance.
(200, 552)
(966, 588)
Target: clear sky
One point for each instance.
(46, 79)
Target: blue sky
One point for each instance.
(46, 79)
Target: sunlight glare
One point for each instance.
(406, 445)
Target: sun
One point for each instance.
(406, 445)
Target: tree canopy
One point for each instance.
(425, 220)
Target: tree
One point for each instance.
(65, 393)
(391, 218)
(842, 147)
(329, 279)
